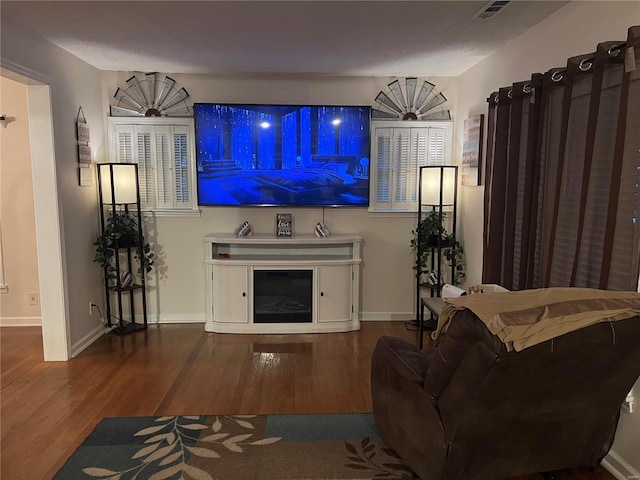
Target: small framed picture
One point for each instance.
(85, 174)
(284, 225)
(472, 150)
(84, 133)
(84, 153)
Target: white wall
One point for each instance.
(73, 84)
(575, 29)
(19, 252)
(388, 288)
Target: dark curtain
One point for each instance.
(562, 180)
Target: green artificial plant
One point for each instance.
(121, 228)
(431, 233)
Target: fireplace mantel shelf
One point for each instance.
(231, 262)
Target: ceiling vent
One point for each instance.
(491, 9)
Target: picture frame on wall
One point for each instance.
(472, 150)
(84, 132)
(85, 172)
(84, 153)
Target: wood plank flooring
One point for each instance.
(48, 408)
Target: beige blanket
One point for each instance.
(524, 318)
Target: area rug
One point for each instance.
(236, 447)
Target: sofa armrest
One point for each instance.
(405, 416)
(410, 363)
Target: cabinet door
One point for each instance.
(230, 294)
(334, 293)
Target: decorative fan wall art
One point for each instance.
(411, 100)
(151, 97)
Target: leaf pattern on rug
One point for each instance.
(167, 447)
(363, 456)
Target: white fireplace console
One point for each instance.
(230, 263)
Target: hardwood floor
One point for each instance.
(48, 408)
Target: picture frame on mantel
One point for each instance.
(472, 150)
(284, 225)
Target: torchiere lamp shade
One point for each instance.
(435, 182)
(125, 182)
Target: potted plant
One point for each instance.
(431, 233)
(121, 228)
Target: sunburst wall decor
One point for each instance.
(410, 100)
(151, 97)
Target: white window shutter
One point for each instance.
(437, 150)
(401, 166)
(124, 144)
(145, 166)
(163, 148)
(418, 159)
(181, 169)
(163, 167)
(400, 149)
(383, 167)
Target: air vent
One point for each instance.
(492, 9)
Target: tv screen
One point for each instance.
(291, 155)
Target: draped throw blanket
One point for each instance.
(528, 317)
(563, 172)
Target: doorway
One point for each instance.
(51, 275)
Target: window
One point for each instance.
(398, 150)
(163, 150)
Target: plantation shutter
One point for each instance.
(181, 168)
(145, 166)
(383, 167)
(419, 154)
(124, 147)
(437, 149)
(400, 149)
(163, 150)
(401, 166)
(163, 167)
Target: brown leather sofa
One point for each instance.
(469, 410)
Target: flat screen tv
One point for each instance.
(282, 155)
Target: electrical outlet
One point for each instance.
(33, 298)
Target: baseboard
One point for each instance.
(619, 468)
(386, 316)
(20, 321)
(176, 318)
(200, 317)
(87, 340)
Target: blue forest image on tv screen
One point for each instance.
(281, 155)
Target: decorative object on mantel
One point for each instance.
(284, 225)
(321, 230)
(472, 150)
(85, 174)
(151, 97)
(243, 230)
(416, 102)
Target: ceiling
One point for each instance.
(360, 38)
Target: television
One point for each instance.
(282, 155)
